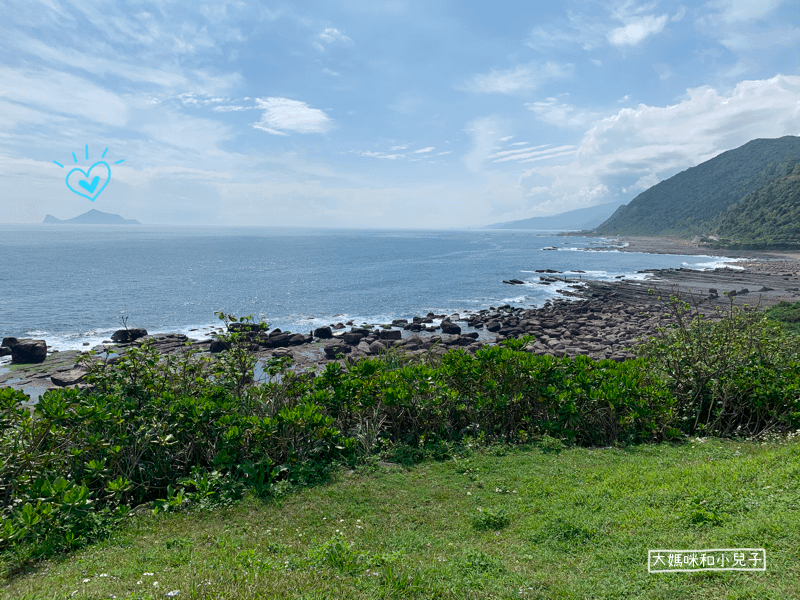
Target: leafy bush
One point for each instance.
(786, 313)
(173, 432)
(735, 372)
(151, 432)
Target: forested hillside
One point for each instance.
(767, 217)
(720, 195)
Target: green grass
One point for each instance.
(786, 313)
(501, 523)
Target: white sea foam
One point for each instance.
(714, 264)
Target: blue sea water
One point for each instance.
(73, 284)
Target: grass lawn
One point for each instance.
(499, 523)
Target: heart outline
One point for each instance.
(86, 176)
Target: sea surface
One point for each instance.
(73, 284)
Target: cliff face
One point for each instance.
(697, 201)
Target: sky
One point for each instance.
(377, 113)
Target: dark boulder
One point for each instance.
(9, 341)
(5, 351)
(297, 339)
(333, 349)
(494, 326)
(280, 341)
(376, 348)
(388, 334)
(124, 336)
(217, 346)
(323, 333)
(28, 351)
(352, 338)
(450, 328)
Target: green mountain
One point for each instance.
(720, 196)
(767, 217)
(578, 219)
(93, 217)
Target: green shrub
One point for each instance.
(787, 314)
(734, 373)
(174, 432)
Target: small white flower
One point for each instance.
(155, 584)
(87, 580)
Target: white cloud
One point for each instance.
(637, 147)
(424, 150)
(521, 77)
(59, 93)
(563, 115)
(233, 108)
(486, 133)
(738, 38)
(282, 115)
(526, 155)
(331, 36)
(580, 31)
(744, 10)
(644, 183)
(516, 150)
(636, 30)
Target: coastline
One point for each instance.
(600, 319)
(671, 245)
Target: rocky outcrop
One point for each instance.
(391, 334)
(68, 377)
(125, 336)
(323, 333)
(334, 349)
(26, 351)
(450, 328)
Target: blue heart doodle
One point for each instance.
(84, 181)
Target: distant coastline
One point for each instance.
(93, 217)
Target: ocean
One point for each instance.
(72, 284)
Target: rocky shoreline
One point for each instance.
(602, 320)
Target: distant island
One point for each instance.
(93, 217)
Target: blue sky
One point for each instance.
(380, 113)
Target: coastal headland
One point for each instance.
(599, 319)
